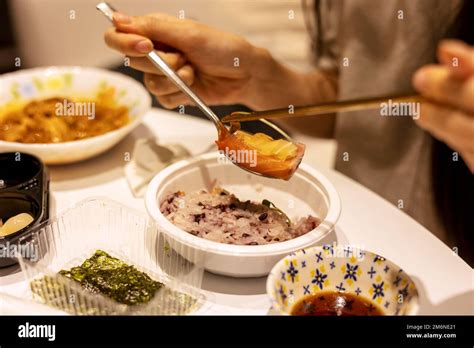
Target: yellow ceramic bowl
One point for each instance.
(39, 83)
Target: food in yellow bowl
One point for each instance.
(59, 119)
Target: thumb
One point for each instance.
(180, 34)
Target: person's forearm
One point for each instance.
(273, 85)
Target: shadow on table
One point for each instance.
(461, 304)
(247, 286)
(98, 170)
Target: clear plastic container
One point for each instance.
(101, 224)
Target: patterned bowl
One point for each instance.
(38, 83)
(341, 269)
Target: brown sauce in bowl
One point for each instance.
(60, 119)
(332, 303)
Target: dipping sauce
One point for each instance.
(335, 304)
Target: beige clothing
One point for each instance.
(389, 155)
(277, 25)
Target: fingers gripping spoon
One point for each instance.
(161, 65)
(108, 11)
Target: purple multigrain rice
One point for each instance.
(221, 217)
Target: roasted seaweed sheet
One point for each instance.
(133, 291)
(112, 277)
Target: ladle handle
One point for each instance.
(168, 72)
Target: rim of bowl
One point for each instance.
(309, 251)
(144, 95)
(306, 240)
(29, 157)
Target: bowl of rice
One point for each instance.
(236, 223)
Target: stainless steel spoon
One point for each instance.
(160, 64)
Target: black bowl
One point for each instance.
(24, 188)
(18, 170)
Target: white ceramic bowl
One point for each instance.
(72, 82)
(307, 192)
(345, 269)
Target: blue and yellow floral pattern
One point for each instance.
(318, 279)
(343, 269)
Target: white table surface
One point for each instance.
(444, 280)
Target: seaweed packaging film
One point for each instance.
(24, 188)
(99, 224)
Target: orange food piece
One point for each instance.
(261, 153)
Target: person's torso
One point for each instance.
(376, 46)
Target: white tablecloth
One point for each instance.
(444, 281)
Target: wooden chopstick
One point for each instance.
(320, 109)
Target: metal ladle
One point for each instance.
(161, 65)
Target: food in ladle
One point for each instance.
(221, 217)
(15, 224)
(261, 153)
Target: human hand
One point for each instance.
(449, 88)
(219, 66)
